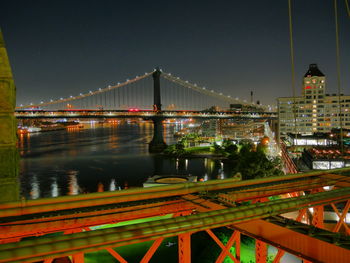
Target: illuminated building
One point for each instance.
(317, 139)
(326, 158)
(239, 130)
(315, 111)
(210, 128)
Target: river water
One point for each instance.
(101, 157)
(104, 157)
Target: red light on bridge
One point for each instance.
(308, 87)
(134, 109)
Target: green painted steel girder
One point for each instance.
(95, 199)
(51, 247)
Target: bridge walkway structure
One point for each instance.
(258, 208)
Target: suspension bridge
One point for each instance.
(164, 92)
(251, 207)
(138, 98)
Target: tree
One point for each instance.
(229, 147)
(253, 163)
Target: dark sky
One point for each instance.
(62, 48)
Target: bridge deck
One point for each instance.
(306, 245)
(49, 247)
(32, 114)
(200, 204)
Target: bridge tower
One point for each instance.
(9, 159)
(157, 144)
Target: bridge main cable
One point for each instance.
(205, 91)
(90, 93)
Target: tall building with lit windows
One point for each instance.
(315, 111)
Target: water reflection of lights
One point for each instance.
(186, 164)
(35, 192)
(100, 187)
(74, 128)
(112, 185)
(205, 178)
(114, 122)
(210, 165)
(24, 140)
(73, 183)
(221, 175)
(54, 188)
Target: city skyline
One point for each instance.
(62, 49)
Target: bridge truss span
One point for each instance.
(244, 206)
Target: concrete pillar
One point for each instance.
(9, 185)
(157, 144)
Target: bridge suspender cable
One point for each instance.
(292, 66)
(205, 91)
(338, 74)
(98, 94)
(347, 7)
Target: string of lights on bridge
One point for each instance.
(90, 93)
(209, 92)
(167, 76)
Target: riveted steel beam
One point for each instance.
(50, 247)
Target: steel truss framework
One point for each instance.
(244, 206)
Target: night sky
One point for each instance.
(62, 48)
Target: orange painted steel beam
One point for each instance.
(235, 237)
(24, 207)
(146, 258)
(42, 226)
(203, 205)
(301, 245)
(116, 255)
(64, 222)
(318, 216)
(266, 191)
(78, 258)
(184, 247)
(260, 251)
(279, 255)
(51, 247)
(101, 199)
(342, 218)
(225, 250)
